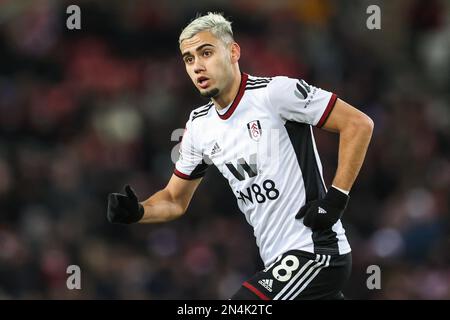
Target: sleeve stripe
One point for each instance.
(198, 172)
(261, 295)
(327, 111)
(181, 175)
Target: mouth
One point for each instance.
(203, 82)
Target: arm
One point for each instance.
(165, 205)
(171, 202)
(355, 131)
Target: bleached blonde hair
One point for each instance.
(212, 22)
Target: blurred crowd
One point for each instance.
(83, 112)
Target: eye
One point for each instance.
(189, 59)
(207, 53)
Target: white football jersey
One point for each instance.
(263, 145)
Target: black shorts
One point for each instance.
(297, 275)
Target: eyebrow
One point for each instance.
(198, 49)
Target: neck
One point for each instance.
(229, 94)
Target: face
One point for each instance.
(209, 63)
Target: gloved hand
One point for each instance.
(124, 208)
(324, 213)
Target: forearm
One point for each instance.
(353, 143)
(161, 207)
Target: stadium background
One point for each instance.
(83, 112)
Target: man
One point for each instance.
(296, 220)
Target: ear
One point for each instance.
(235, 52)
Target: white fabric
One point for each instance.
(271, 158)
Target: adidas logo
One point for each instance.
(215, 149)
(266, 283)
(321, 210)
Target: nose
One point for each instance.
(198, 66)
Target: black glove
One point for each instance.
(324, 213)
(124, 208)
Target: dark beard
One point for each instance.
(211, 93)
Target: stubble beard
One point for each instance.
(210, 93)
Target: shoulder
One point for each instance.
(273, 84)
(201, 112)
(282, 81)
(282, 87)
(254, 82)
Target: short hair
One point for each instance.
(212, 22)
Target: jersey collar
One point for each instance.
(237, 99)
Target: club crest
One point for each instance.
(254, 129)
